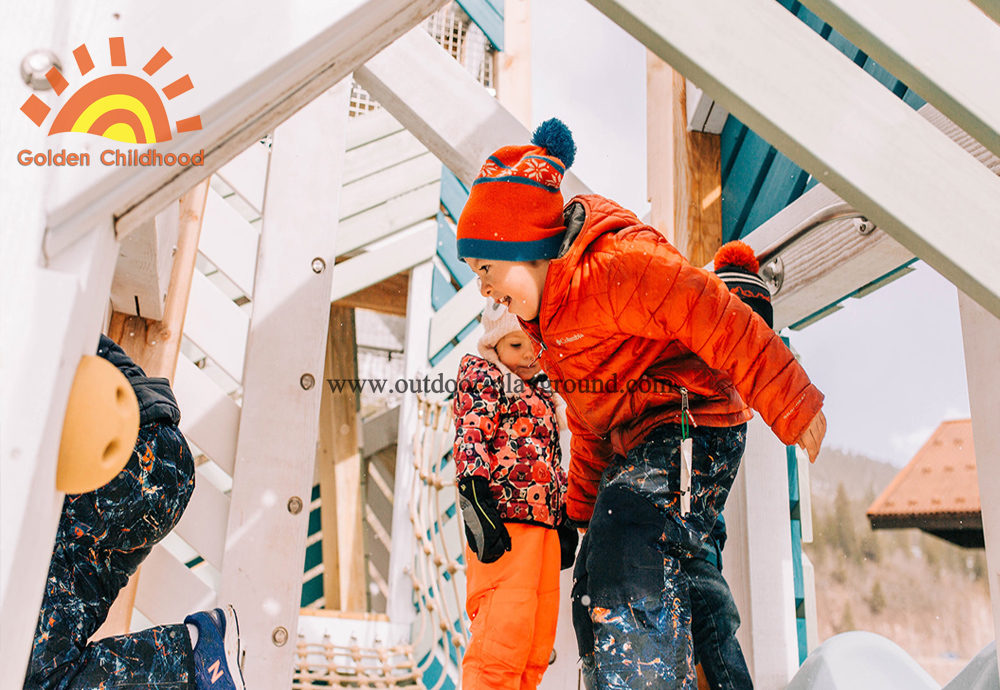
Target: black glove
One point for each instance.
(569, 538)
(487, 536)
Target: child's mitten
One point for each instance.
(487, 536)
(569, 537)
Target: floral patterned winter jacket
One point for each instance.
(506, 432)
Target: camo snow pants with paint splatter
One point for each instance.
(632, 589)
(102, 538)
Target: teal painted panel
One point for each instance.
(454, 194)
(487, 17)
(739, 189)
(441, 290)
(913, 100)
(793, 475)
(800, 629)
(315, 522)
(730, 141)
(838, 41)
(442, 354)
(312, 590)
(783, 184)
(314, 555)
(797, 576)
(447, 249)
(810, 19)
(467, 330)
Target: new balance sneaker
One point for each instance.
(217, 652)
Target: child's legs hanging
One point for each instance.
(102, 538)
(547, 614)
(715, 621)
(631, 606)
(502, 599)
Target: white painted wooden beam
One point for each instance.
(703, 113)
(942, 52)
(455, 315)
(980, 334)
(824, 255)
(795, 89)
(145, 260)
(229, 241)
(248, 76)
(388, 217)
(279, 424)
(409, 77)
(247, 174)
(399, 600)
(991, 8)
(162, 573)
(216, 325)
(374, 190)
(211, 418)
(448, 365)
(758, 559)
(399, 254)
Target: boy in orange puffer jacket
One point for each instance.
(654, 358)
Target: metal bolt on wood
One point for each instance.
(295, 505)
(279, 636)
(36, 65)
(307, 381)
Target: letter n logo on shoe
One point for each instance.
(216, 670)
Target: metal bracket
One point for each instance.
(773, 273)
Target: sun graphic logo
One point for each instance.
(123, 107)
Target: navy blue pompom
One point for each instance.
(555, 137)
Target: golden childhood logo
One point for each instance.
(119, 106)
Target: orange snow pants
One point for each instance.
(514, 606)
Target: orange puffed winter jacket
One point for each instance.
(626, 322)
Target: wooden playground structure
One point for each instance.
(338, 141)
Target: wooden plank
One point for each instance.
(990, 8)
(783, 183)
(980, 335)
(386, 296)
(371, 191)
(210, 418)
(247, 174)
(339, 466)
(393, 215)
(371, 127)
(43, 354)
(203, 524)
(454, 194)
(900, 189)
(684, 170)
(742, 184)
(939, 52)
(458, 313)
(441, 288)
(279, 424)
(169, 590)
(155, 346)
(216, 325)
(380, 155)
(229, 242)
(402, 253)
(407, 79)
(380, 431)
(703, 114)
(142, 274)
(399, 604)
(758, 558)
(513, 78)
(266, 72)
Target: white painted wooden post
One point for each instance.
(758, 559)
(276, 447)
(981, 334)
(399, 604)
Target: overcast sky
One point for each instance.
(891, 364)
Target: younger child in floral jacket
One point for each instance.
(512, 494)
